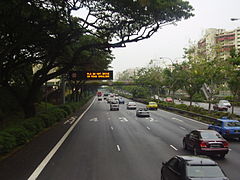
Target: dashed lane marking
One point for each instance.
(173, 147)
(118, 147)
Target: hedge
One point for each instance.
(17, 135)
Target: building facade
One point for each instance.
(219, 42)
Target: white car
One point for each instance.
(131, 105)
(225, 103)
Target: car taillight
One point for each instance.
(203, 144)
(225, 144)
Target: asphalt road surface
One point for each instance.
(117, 145)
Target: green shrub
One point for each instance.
(21, 134)
(66, 108)
(7, 142)
(33, 125)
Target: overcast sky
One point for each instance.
(170, 40)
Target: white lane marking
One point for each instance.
(66, 121)
(41, 166)
(182, 128)
(177, 119)
(196, 121)
(109, 118)
(94, 119)
(148, 128)
(174, 147)
(123, 119)
(118, 147)
(230, 149)
(112, 128)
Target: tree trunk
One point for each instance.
(191, 100)
(29, 109)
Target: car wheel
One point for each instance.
(222, 156)
(195, 151)
(185, 145)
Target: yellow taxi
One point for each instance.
(152, 105)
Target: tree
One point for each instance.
(233, 75)
(173, 78)
(194, 79)
(47, 34)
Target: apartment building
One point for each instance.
(219, 42)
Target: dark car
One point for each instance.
(208, 142)
(121, 101)
(191, 167)
(142, 112)
(228, 128)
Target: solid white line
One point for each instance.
(118, 147)
(148, 128)
(42, 165)
(174, 147)
(182, 128)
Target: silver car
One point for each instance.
(131, 105)
(142, 112)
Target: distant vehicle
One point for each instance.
(114, 105)
(152, 105)
(191, 167)
(208, 142)
(222, 105)
(105, 95)
(225, 103)
(99, 98)
(131, 105)
(142, 112)
(110, 99)
(169, 99)
(121, 101)
(99, 93)
(228, 128)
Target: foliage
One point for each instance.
(48, 36)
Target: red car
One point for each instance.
(208, 142)
(169, 99)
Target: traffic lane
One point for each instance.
(231, 158)
(90, 151)
(88, 147)
(143, 152)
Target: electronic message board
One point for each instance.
(91, 75)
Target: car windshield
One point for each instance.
(204, 171)
(224, 101)
(232, 124)
(131, 103)
(152, 103)
(210, 135)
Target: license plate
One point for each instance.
(215, 146)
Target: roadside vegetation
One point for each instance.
(45, 40)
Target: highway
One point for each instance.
(117, 145)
